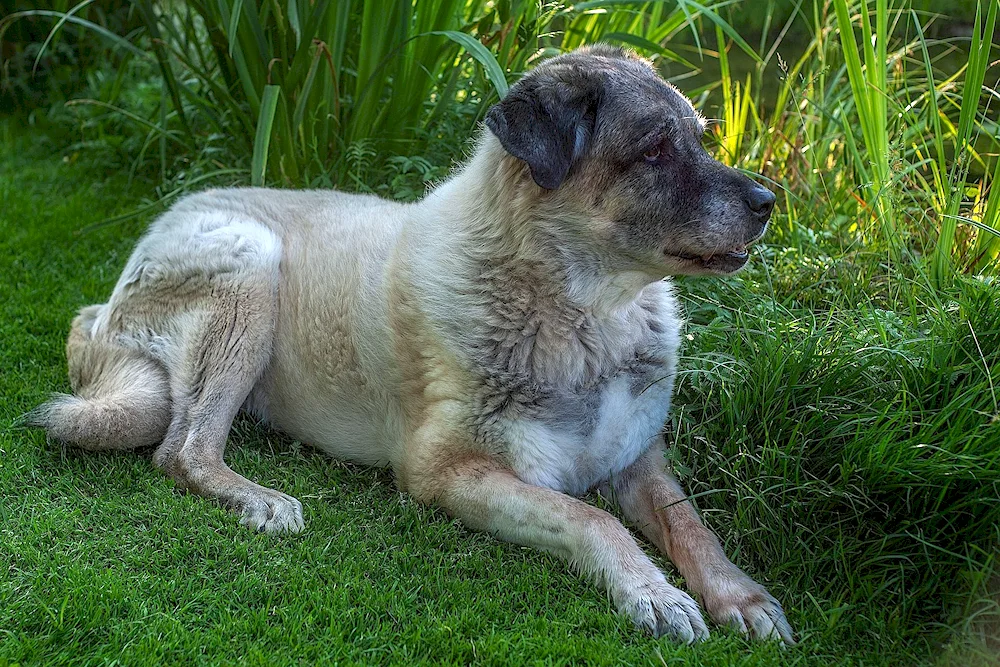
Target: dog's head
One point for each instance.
(604, 136)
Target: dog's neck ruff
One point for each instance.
(502, 225)
(523, 295)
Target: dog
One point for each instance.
(506, 344)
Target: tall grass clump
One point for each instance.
(856, 449)
(868, 86)
(311, 82)
(873, 99)
(329, 87)
(871, 141)
(865, 393)
(950, 193)
(48, 48)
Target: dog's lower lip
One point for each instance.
(739, 252)
(719, 263)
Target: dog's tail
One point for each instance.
(121, 396)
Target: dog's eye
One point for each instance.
(656, 153)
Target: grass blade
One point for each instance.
(646, 45)
(55, 29)
(262, 138)
(726, 28)
(118, 40)
(483, 55)
(234, 23)
(160, 131)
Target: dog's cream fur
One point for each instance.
(475, 341)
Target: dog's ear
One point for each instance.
(547, 126)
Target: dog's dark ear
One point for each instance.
(546, 126)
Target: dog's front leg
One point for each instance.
(653, 500)
(487, 497)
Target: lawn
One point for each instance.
(107, 562)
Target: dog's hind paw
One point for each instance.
(665, 611)
(273, 512)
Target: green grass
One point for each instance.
(789, 429)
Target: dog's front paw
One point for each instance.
(738, 601)
(662, 610)
(270, 511)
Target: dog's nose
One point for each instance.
(761, 201)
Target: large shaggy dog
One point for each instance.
(506, 344)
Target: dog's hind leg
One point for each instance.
(121, 397)
(221, 356)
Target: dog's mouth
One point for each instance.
(727, 261)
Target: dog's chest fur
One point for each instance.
(570, 396)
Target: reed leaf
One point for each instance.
(262, 139)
